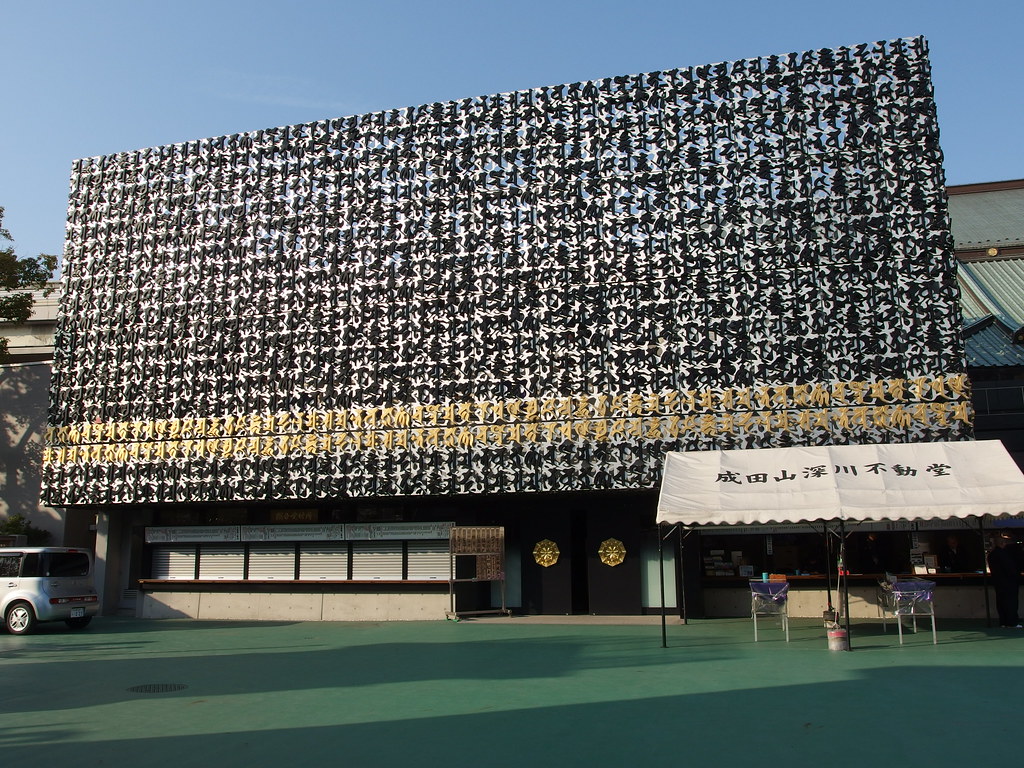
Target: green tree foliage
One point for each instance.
(17, 524)
(18, 278)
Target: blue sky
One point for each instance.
(85, 79)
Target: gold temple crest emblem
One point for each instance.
(546, 553)
(612, 552)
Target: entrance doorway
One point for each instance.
(597, 570)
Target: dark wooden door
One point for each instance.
(547, 589)
(614, 590)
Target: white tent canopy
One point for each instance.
(907, 481)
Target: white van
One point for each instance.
(46, 584)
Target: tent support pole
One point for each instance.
(845, 576)
(828, 567)
(681, 576)
(984, 573)
(661, 584)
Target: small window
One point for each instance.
(324, 561)
(30, 565)
(174, 563)
(65, 564)
(271, 561)
(429, 560)
(221, 561)
(373, 560)
(10, 566)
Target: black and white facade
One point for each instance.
(526, 293)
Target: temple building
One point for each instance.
(297, 370)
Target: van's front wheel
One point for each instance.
(79, 623)
(20, 619)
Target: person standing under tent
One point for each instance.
(952, 558)
(1004, 564)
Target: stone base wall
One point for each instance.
(288, 606)
(953, 602)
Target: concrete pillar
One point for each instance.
(108, 548)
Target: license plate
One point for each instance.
(77, 613)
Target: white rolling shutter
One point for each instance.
(174, 563)
(323, 562)
(272, 561)
(221, 561)
(428, 560)
(377, 560)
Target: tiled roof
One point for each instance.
(987, 216)
(971, 309)
(987, 219)
(993, 287)
(989, 343)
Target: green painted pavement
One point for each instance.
(506, 692)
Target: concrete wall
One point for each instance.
(262, 606)
(24, 391)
